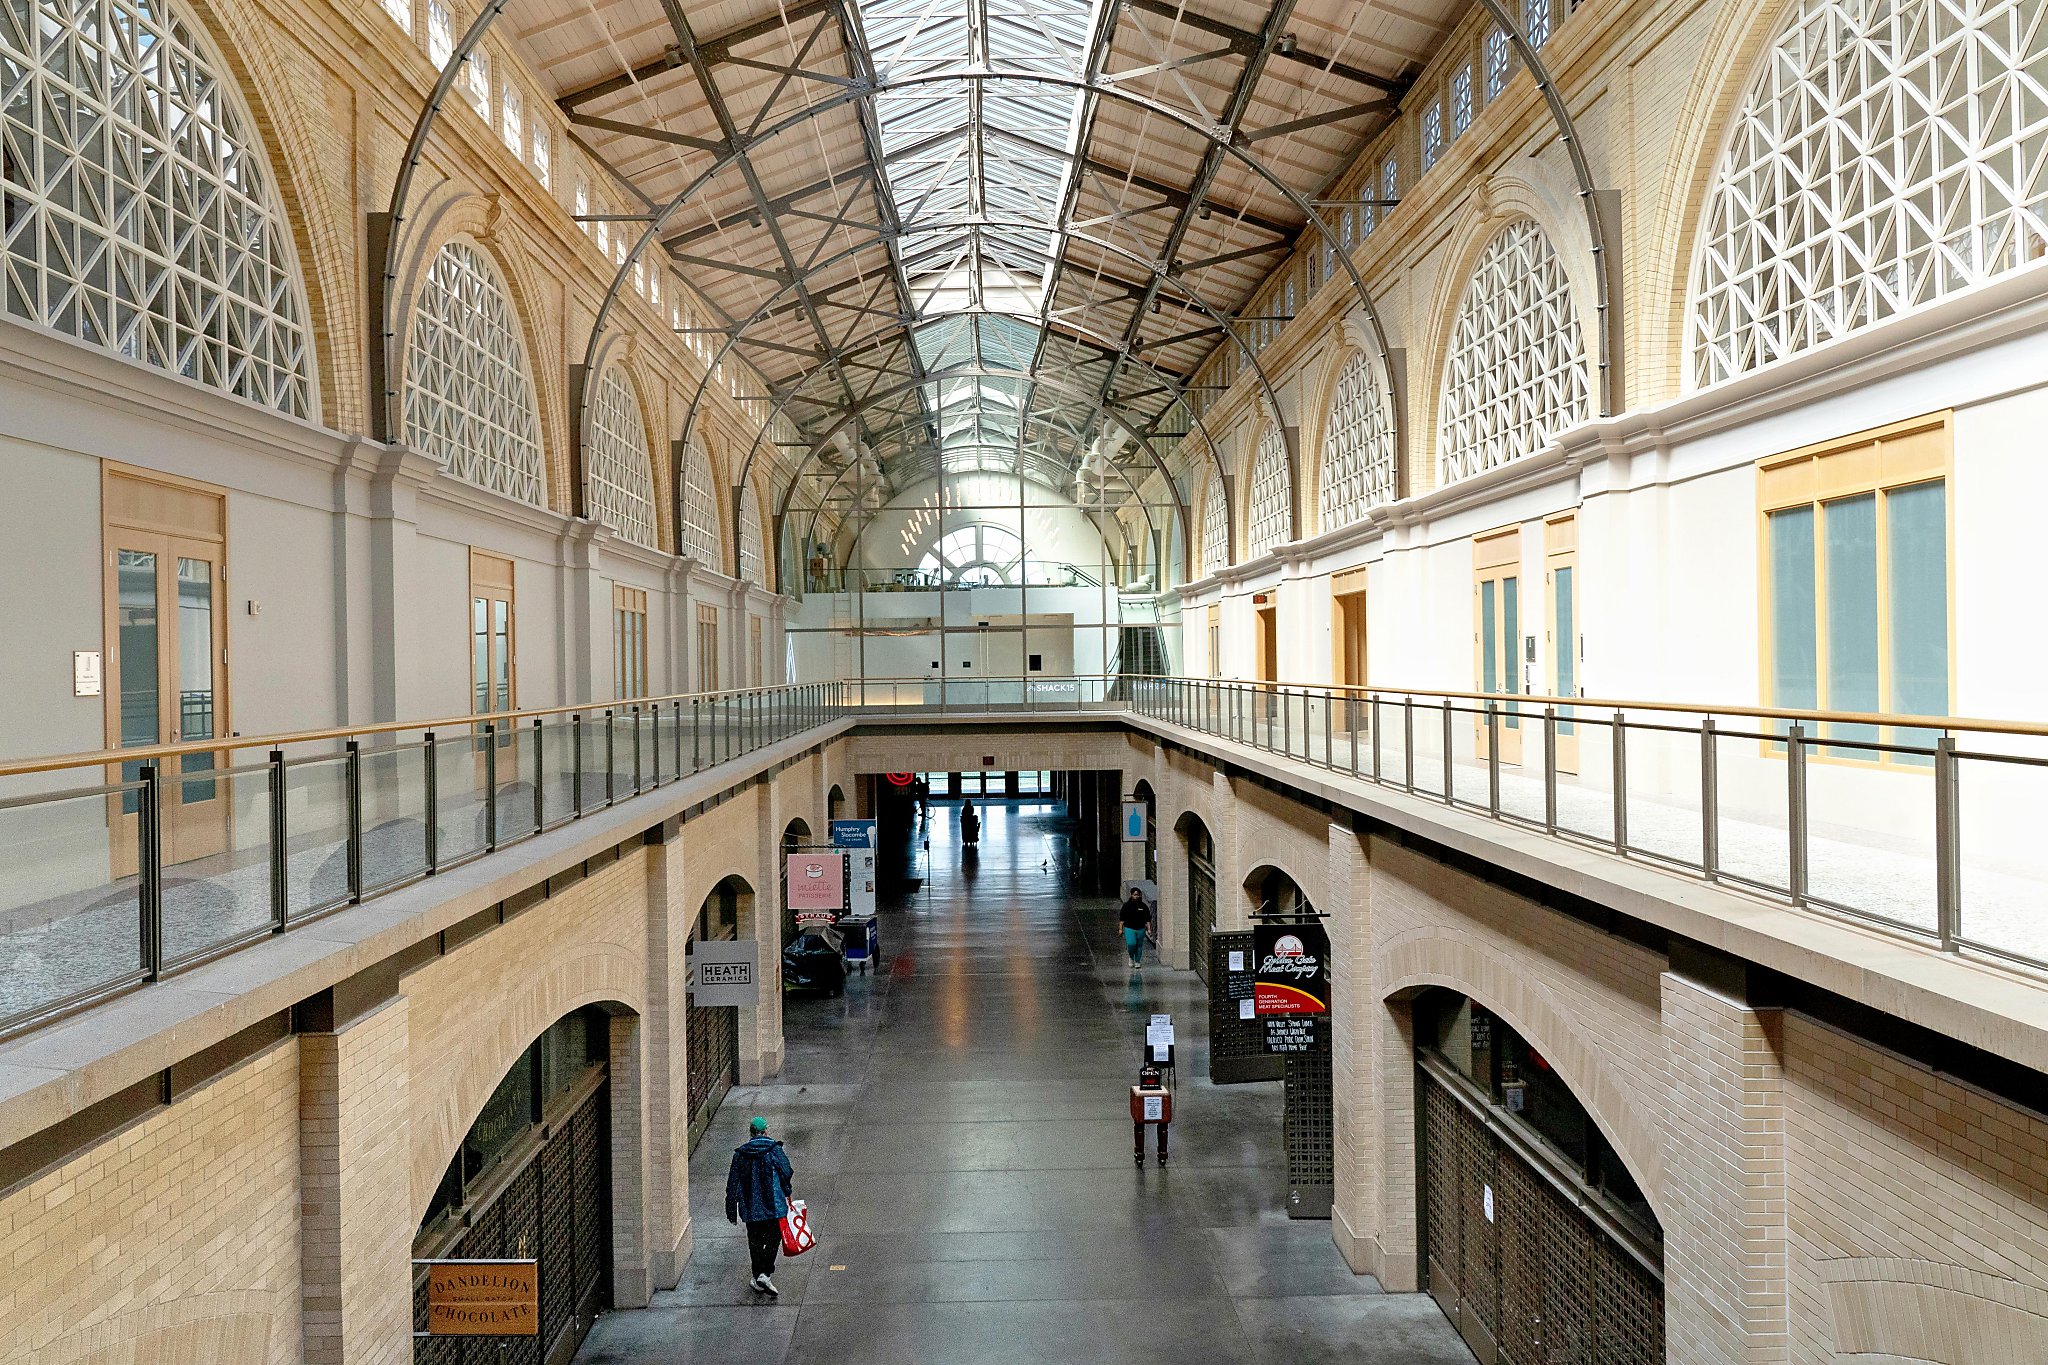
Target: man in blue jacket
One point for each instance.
(757, 1193)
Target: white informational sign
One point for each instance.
(1486, 1198)
(85, 673)
(860, 881)
(1236, 960)
(723, 973)
(1155, 1108)
(1159, 1033)
(1244, 1007)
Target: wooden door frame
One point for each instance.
(488, 559)
(1496, 556)
(1561, 550)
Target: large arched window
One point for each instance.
(621, 479)
(1515, 374)
(140, 214)
(468, 394)
(1272, 508)
(750, 538)
(981, 555)
(1215, 527)
(699, 533)
(1358, 445)
(1884, 156)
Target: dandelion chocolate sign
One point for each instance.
(483, 1299)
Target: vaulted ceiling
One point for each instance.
(975, 234)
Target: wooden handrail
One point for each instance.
(1955, 723)
(107, 757)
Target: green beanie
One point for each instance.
(759, 1125)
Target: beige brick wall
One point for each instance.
(176, 1240)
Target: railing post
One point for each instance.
(1493, 759)
(1550, 769)
(679, 739)
(1286, 723)
(490, 785)
(576, 762)
(1710, 801)
(696, 735)
(654, 743)
(149, 839)
(280, 860)
(1450, 776)
(433, 804)
(1329, 753)
(1408, 739)
(611, 758)
(1948, 845)
(636, 746)
(1795, 811)
(540, 776)
(354, 772)
(1620, 784)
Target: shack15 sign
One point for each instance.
(483, 1298)
(1292, 973)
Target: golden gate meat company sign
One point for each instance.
(483, 1299)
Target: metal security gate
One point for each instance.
(1308, 1127)
(1526, 1275)
(714, 1033)
(1237, 1046)
(556, 1208)
(1201, 902)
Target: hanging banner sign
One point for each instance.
(483, 1298)
(817, 881)
(721, 972)
(1292, 969)
(1134, 821)
(853, 834)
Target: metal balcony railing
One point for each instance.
(126, 866)
(1925, 826)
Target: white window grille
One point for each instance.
(1215, 527)
(750, 539)
(542, 148)
(140, 214)
(1287, 301)
(582, 202)
(468, 391)
(1537, 22)
(1390, 183)
(604, 238)
(654, 289)
(1350, 229)
(621, 481)
(400, 12)
(1516, 373)
(440, 34)
(1272, 503)
(1358, 445)
(1432, 134)
(1884, 157)
(1461, 101)
(1499, 59)
(512, 125)
(640, 276)
(476, 82)
(1368, 216)
(699, 539)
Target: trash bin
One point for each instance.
(863, 941)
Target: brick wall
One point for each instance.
(175, 1240)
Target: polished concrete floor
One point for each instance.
(959, 1127)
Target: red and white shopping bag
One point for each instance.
(797, 1237)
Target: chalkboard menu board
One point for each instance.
(1239, 985)
(1295, 1033)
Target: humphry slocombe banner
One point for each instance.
(1293, 969)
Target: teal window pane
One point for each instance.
(1567, 643)
(1795, 653)
(1850, 528)
(1916, 552)
(1511, 631)
(1489, 641)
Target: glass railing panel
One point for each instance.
(1522, 784)
(1663, 790)
(2001, 788)
(1752, 820)
(70, 900)
(1870, 831)
(316, 834)
(1474, 736)
(217, 875)
(560, 767)
(459, 807)
(517, 818)
(1426, 753)
(394, 782)
(1585, 776)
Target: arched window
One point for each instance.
(1215, 527)
(468, 396)
(1272, 511)
(140, 213)
(699, 538)
(1358, 445)
(1516, 372)
(1884, 156)
(750, 538)
(621, 480)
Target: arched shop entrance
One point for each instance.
(532, 1180)
(1143, 794)
(714, 1030)
(1308, 1120)
(795, 835)
(1536, 1241)
(1201, 855)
